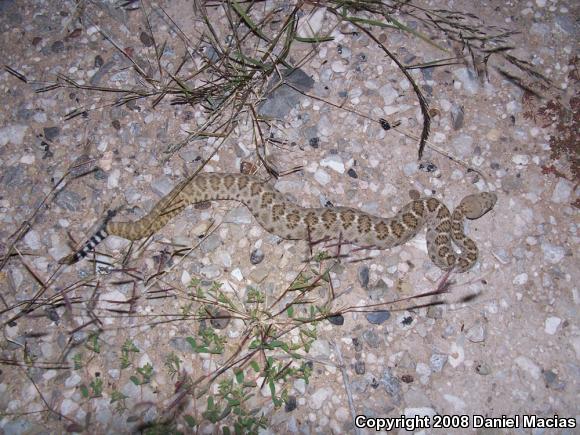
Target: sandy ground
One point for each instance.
(505, 342)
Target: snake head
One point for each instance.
(476, 205)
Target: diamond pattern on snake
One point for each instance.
(283, 218)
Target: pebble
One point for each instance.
(437, 362)
(225, 259)
(333, 162)
(162, 186)
(185, 278)
(210, 272)
(378, 317)
(68, 406)
(409, 169)
(322, 176)
(478, 332)
(456, 355)
(320, 397)
(562, 192)
(72, 381)
(291, 404)
(57, 46)
(457, 116)
(352, 173)
(521, 159)
(113, 179)
(363, 276)
(529, 366)
(239, 215)
(552, 253)
(256, 256)
(482, 369)
(457, 403)
(115, 243)
(51, 133)
(320, 348)
(493, 135)
(13, 134)
(551, 325)
(552, 381)
(391, 383)
(237, 274)
(300, 386)
(289, 186)
(468, 79)
(520, 279)
(337, 320)
(338, 66)
(371, 338)
(280, 102)
(566, 23)
(32, 240)
(28, 159)
(310, 25)
(132, 195)
(389, 94)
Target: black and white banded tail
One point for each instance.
(97, 238)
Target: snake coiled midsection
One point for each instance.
(290, 221)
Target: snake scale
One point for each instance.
(290, 221)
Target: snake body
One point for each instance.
(290, 221)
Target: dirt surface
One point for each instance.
(93, 349)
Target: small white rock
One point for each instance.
(68, 406)
(72, 381)
(32, 239)
(521, 159)
(333, 162)
(113, 180)
(520, 279)
(310, 26)
(529, 366)
(237, 274)
(455, 401)
(552, 253)
(456, 355)
(562, 192)
(389, 94)
(27, 159)
(185, 278)
(338, 66)
(551, 325)
(320, 397)
(13, 134)
(322, 176)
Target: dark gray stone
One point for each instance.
(378, 317)
(256, 256)
(363, 276)
(51, 133)
(284, 98)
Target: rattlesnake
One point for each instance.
(290, 221)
